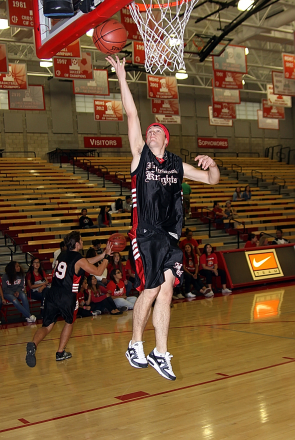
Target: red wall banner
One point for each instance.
(227, 80)
(16, 78)
(272, 111)
(3, 59)
(73, 68)
(138, 53)
(223, 110)
(162, 87)
(130, 26)
(165, 107)
(204, 142)
(289, 66)
(20, 13)
(73, 50)
(108, 110)
(102, 142)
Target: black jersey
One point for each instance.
(64, 276)
(157, 192)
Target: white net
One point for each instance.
(161, 24)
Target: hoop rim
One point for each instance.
(142, 7)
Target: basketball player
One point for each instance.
(61, 298)
(157, 222)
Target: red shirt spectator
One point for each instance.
(191, 241)
(117, 289)
(249, 244)
(208, 260)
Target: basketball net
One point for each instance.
(161, 26)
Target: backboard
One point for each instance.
(51, 38)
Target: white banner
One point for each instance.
(163, 119)
(217, 121)
(233, 59)
(266, 123)
(280, 100)
(225, 95)
(282, 85)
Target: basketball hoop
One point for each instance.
(161, 25)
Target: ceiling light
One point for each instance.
(4, 23)
(90, 32)
(181, 74)
(243, 82)
(113, 69)
(246, 50)
(243, 5)
(174, 41)
(46, 63)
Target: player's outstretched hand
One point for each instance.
(118, 66)
(108, 249)
(205, 162)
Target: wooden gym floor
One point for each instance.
(234, 358)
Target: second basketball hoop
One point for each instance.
(162, 25)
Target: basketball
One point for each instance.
(118, 242)
(110, 36)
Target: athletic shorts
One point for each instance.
(154, 252)
(59, 302)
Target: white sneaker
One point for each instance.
(136, 356)
(208, 293)
(32, 318)
(190, 295)
(226, 291)
(174, 297)
(180, 296)
(162, 364)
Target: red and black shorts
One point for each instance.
(59, 302)
(154, 252)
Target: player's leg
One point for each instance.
(65, 335)
(40, 334)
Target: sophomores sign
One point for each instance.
(212, 143)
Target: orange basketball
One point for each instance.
(118, 242)
(110, 36)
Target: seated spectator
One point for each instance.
(263, 240)
(251, 242)
(96, 245)
(237, 195)
(36, 281)
(101, 279)
(117, 206)
(190, 240)
(13, 285)
(247, 193)
(209, 265)
(62, 248)
(219, 215)
(191, 276)
(99, 300)
(230, 213)
(186, 191)
(279, 237)
(127, 204)
(82, 310)
(2, 299)
(117, 289)
(116, 263)
(104, 219)
(84, 221)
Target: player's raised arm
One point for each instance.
(134, 129)
(210, 173)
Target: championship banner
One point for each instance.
(279, 100)
(108, 110)
(20, 13)
(162, 87)
(30, 99)
(102, 142)
(129, 25)
(166, 107)
(233, 59)
(98, 86)
(73, 50)
(267, 123)
(16, 78)
(281, 85)
(164, 119)
(219, 122)
(272, 111)
(73, 68)
(204, 142)
(264, 264)
(3, 59)
(223, 95)
(227, 80)
(224, 111)
(289, 66)
(138, 52)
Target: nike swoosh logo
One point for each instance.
(259, 263)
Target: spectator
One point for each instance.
(82, 309)
(36, 281)
(117, 289)
(230, 213)
(101, 279)
(279, 237)
(2, 299)
(13, 285)
(219, 215)
(96, 244)
(117, 206)
(84, 221)
(62, 248)
(252, 241)
(104, 219)
(127, 204)
(247, 193)
(129, 271)
(186, 191)
(190, 240)
(100, 301)
(263, 241)
(116, 263)
(237, 196)
(209, 265)
(191, 277)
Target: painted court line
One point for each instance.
(162, 393)
(251, 333)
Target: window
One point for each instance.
(84, 103)
(247, 110)
(3, 99)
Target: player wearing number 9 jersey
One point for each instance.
(61, 298)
